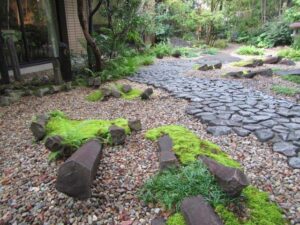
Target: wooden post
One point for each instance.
(57, 73)
(3, 65)
(22, 27)
(14, 59)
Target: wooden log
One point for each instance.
(14, 59)
(76, 175)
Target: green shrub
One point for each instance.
(292, 78)
(250, 50)
(161, 50)
(176, 219)
(171, 186)
(187, 146)
(290, 54)
(296, 43)
(221, 44)
(210, 51)
(95, 96)
(285, 90)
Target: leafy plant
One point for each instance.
(290, 53)
(285, 90)
(170, 187)
(220, 43)
(210, 51)
(250, 50)
(162, 49)
(187, 146)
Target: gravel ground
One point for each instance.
(260, 83)
(27, 188)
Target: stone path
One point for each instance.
(226, 106)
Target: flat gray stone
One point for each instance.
(285, 148)
(260, 118)
(269, 123)
(219, 130)
(165, 143)
(252, 127)
(241, 132)
(264, 135)
(295, 162)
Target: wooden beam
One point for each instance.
(3, 65)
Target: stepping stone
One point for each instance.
(75, 176)
(126, 88)
(231, 180)
(219, 130)
(272, 59)
(208, 119)
(237, 118)
(294, 126)
(217, 122)
(197, 211)
(288, 72)
(285, 148)
(165, 143)
(260, 118)
(167, 159)
(241, 132)
(287, 62)
(252, 127)
(158, 221)
(295, 120)
(294, 162)
(264, 135)
(269, 123)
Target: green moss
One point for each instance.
(133, 94)
(187, 146)
(176, 219)
(261, 210)
(95, 96)
(290, 53)
(77, 132)
(242, 63)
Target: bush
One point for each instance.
(161, 50)
(176, 219)
(285, 90)
(290, 54)
(95, 96)
(221, 43)
(296, 43)
(170, 187)
(250, 50)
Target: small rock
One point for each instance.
(165, 143)
(295, 162)
(158, 221)
(135, 125)
(126, 88)
(167, 159)
(54, 143)
(42, 92)
(264, 135)
(118, 135)
(116, 93)
(147, 93)
(285, 148)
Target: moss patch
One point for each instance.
(242, 63)
(261, 210)
(176, 219)
(187, 146)
(289, 91)
(77, 132)
(95, 96)
(292, 78)
(133, 94)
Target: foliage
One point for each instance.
(293, 13)
(296, 43)
(290, 54)
(171, 186)
(187, 146)
(77, 132)
(209, 51)
(95, 96)
(274, 33)
(220, 43)
(292, 78)
(161, 50)
(250, 50)
(176, 219)
(285, 90)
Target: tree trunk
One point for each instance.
(3, 65)
(14, 59)
(90, 41)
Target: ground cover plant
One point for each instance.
(292, 78)
(98, 95)
(290, 53)
(77, 132)
(187, 146)
(278, 89)
(250, 50)
(169, 187)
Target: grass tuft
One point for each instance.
(187, 146)
(289, 91)
(292, 78)
(250, 50)
(171, 186)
